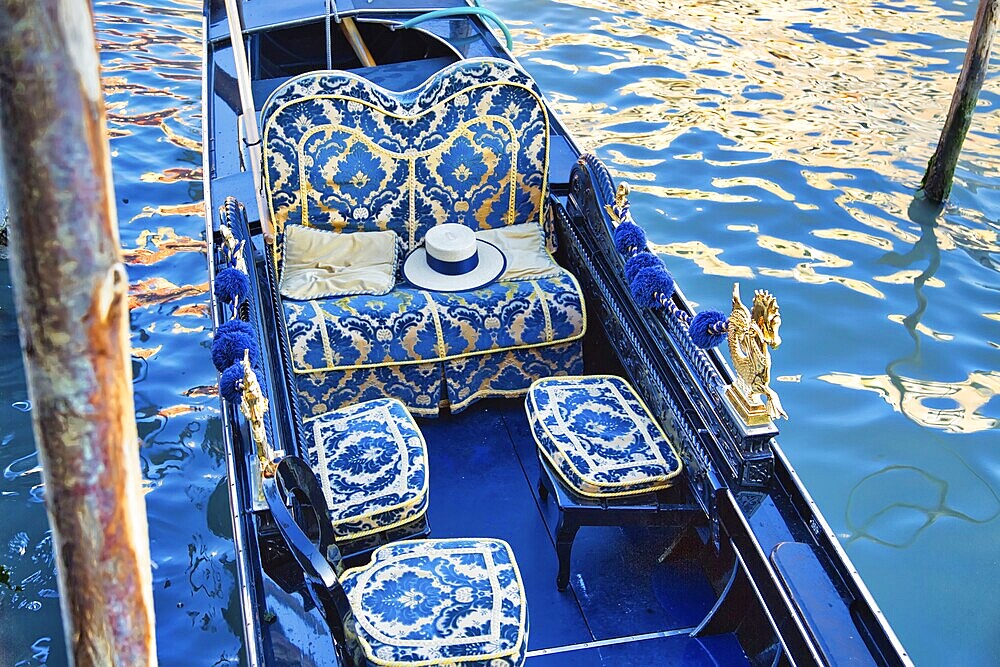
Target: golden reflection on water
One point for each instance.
(806, 273)
(922, 328)
(664, 192)
(192, 143)
(868, 98)
(705, 257)
(145, 352)
(172, 175)
(765, 185)
(158, 290)
(855, 236)
(165, 244)
(911, 396)
(840, 90)
(840, 103)
(187, 208)
(800, 250)
(907, 276)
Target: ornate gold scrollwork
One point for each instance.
(234, 247)
(254, 405)
(619, 211)
(751, 333)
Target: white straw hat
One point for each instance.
(452, 259)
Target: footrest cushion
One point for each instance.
(435, 602)
(599, 436)
(372, 464)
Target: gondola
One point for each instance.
(469, 419)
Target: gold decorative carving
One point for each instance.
(234, 247)
(254, 405)
(619, 211)
(751, 333)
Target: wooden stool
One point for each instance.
(604, 459)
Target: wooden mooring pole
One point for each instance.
(71, 294)
(936, 184)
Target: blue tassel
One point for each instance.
(652, 286)
(231, 283)
(629, 238)
(228, 347)
(708, 329)
(231, 326)
(229, 383)
(638, 262)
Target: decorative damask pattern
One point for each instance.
(412, 326)
(362, 331)
(418, 386)
(433, 602)
(507, 374)
(599, 436)
(372, 461)
(511, 314)
(469, 146)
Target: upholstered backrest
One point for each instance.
(469, 145)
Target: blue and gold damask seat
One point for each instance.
(372, 461)
(440, 602)
(469, 146)
(599, 437)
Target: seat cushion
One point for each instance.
(319, 264)
(433, 602)
(524, 248)
(599, 436)
(372, 462)
(416, 326)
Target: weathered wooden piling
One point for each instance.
(71, 296)
(936, 184)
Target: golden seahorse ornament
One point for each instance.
(751, 333)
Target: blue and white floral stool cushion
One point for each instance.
(440, 602)
(599, 437)
(372, 464)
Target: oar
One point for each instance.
(350, 31)
(353, 35)
(249, 114)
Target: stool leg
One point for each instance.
(565, 534)
(543, 491)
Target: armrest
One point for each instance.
(301, 489)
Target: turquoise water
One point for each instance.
(777, 144)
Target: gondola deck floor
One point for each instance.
(623, 606)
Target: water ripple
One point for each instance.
(26, 465)
(781, 144)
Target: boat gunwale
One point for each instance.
(656, 328)
(252, 635)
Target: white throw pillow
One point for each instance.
(524, 247)
(318, 263)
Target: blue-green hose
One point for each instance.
(464, 11)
